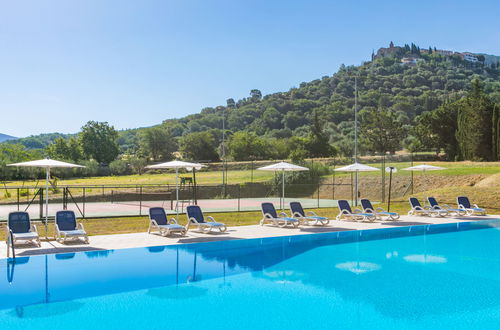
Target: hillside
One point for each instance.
(425, 80)
(5, 137)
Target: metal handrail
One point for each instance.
(11, 242)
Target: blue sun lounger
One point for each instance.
(418, 209)
(435, 205)
(379, 212)
(68, 228)
(464, 203)
(158, 220)
(306, 218)
(347, 213)
(195, 217)
(19, 224)
(270, 215)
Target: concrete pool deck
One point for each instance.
(143, 239)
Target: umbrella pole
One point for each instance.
(356, 188)
(177, 193)
(47, 175)
(283, 190)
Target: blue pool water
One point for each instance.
(421, 277)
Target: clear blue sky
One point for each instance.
(135, 63)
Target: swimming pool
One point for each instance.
(399, 278)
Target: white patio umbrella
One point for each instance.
(177, 164)
(283, 167)
(46, 163)
(356, 168)
(424, 168)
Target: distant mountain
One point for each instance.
(5, 137)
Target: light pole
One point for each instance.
(223, 152)
(356, 136)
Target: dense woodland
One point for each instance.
(442, 104)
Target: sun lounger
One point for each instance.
(306, 218)
(68, 228)
(158, 220)
(357, 215)
(269, 215)
(19, 224)
(379, 212)
(435, 205)
(195, 217)
(418, 209)
(464, 203)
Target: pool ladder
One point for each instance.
(10, 245)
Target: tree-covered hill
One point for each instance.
(385, 82)
(316, 118)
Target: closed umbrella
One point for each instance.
(46, 163)
(283, 167)
(177, 164)
(356, 168)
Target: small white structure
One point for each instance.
(470, 58)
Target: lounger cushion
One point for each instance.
(288, 219)
(66, 220)
(172, 227)
(29, 235)
(19, 222)
(315, 217)
(213, 224)
(78, 232)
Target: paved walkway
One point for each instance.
(134, 240)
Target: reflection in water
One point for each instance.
(46, 310)
(358, 267)
(177, 292)
(99, 253)
(425, 258)
(369, 273)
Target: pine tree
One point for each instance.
(475, 118)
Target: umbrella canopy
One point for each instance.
(177, 164)
(424, 168)
(46, 163)
(356, 167)
(283, 167)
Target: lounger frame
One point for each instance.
(207, 226)
(307, 217)
(380, 212)
(63, 235)
(281, 221)
(353, 215)
(18, 237)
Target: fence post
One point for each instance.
(83, 207)
(18, 199)
(40, 193)
(140, 201)
(239, 196)
(319, 186)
